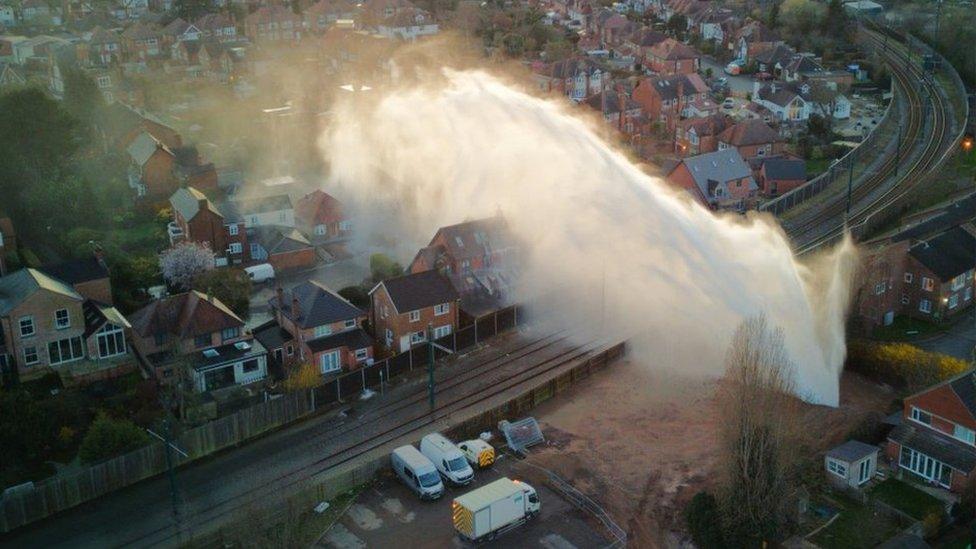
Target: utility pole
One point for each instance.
(850, 184)
(167, 439)
(430, 365)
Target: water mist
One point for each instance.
(624, 252)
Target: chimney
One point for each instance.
(281, 297)
(296, 310)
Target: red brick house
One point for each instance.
(284, 248)
(151, 167)
(752, 138)
(919, 274)
(197, 219)
(781, 175)
(321, 217)
(672, 57)
(936, 440)
(577, 77)
(479, 257)
(666, 99)
(326, 330)
(694, 136)
(142, 42)
(195, 338)
(89, 277)
(8, 242)
(718, 180)
(403, 309)
(618, 110)
(275, 23)
(641, 42)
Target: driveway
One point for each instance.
(958, 341)
(739, 85)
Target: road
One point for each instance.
(958, 341)
(739, 85)
(265, 471)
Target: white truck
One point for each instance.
(493, 509)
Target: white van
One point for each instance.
(448, 459)
(263, 272)
(417, 472)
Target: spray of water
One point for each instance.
(620, 250)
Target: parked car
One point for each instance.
(258, 274)
(494, 509)
(479, 453)
(417, 472)
(762, 76)
(733, 68)
(447, 458)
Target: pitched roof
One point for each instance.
(78, 270)
(279, 240)
(749, 132)
(271, 335)
(779, 54)
(19, 285)
(176, 26)
(213, 21)
(98, 314)
(777, 94)
(269, 14)
(188, 201)
(852, 450)
(948, 450)
(418, 291)
(319, 208)
(948, 255)
(317, 305)
(140, 31)
(958, 212)
(184, 315)
(570, 68)
(610, 102)
(710, 169)
(143, 147)
(672, 50)
(964, 385)
(706, 125)
(353, 339)
(785, 168)
(263, 204)
(472, 239)
(666, 87)
(647, 38)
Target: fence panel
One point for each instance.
(486, 327)
(420, 354)
(506, 319)
(373, 374)
(399, 364)
(465, 338)
(350, 385)
(447, 342)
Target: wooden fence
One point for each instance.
(62, 492)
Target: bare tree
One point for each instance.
(759, 412)
(182, 263)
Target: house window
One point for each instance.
(925, 306)
(235, 248)
(351, 323)
(442, 331)
(966, 435)
(281, 217)
(417, 337)
(30, 355)
(255, 250)
(953, 301)
(928, 284)
(202, 340)
(345, 225)
(361, 354)
(968, 294)
(837, 468)
(466, 266)
(909, 277)
(65, 350)
(389, 337)
(442, 309)
(414, 316)
(958, 282)
(230, 333)
(920, 416)
(879, 288)
(104, 82)
(323, 330)
(26, 326)
(111, 341)
(232, 229)
(320, 230)
(254, 220)
(383, 312)
(289, 350)
(330, 362)
(250, 366)
(904, 299)
(460, 242)
(62, 319)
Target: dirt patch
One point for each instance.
(642, 442)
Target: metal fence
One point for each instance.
(353, 384)
(62, 492)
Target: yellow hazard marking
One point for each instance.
(463, 519)
(486, 458)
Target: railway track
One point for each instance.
(373, 430)
(909, 166)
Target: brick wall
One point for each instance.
(41, 307)
(400, 324)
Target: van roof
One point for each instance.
(440, 441)
(412, 457)
(489, 493)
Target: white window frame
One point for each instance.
(414, 316)
(837, 468)
(953, 301)
(349, 324)
(418, 337)
(362, 354)
(442, 309)
(442, 331)
(320, 229)
(909, 277)
(322, 331)
(37, 356)
(67, 319)
(958, 282)
(71, 351)
(879, 288)
(338, 362)
(113, 336)
(233, 229)
(916, 415)
(27, 321)
(964, 434)
(235, 248)
(925, 306)
(928, 284)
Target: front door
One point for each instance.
(330, 362)
(889, 317)
(405, 343)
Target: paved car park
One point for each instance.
(389, 514)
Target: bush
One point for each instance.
(110, 437)
(701, 516)
(901, 364)
(356, 295)
(382, 267)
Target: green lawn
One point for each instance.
(904, 328)
(857, 527)
(907, 498)
(817, 167)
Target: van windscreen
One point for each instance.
(457, 464)
(429, 479)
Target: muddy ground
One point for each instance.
(643, 442)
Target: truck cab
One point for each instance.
(532, 504)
